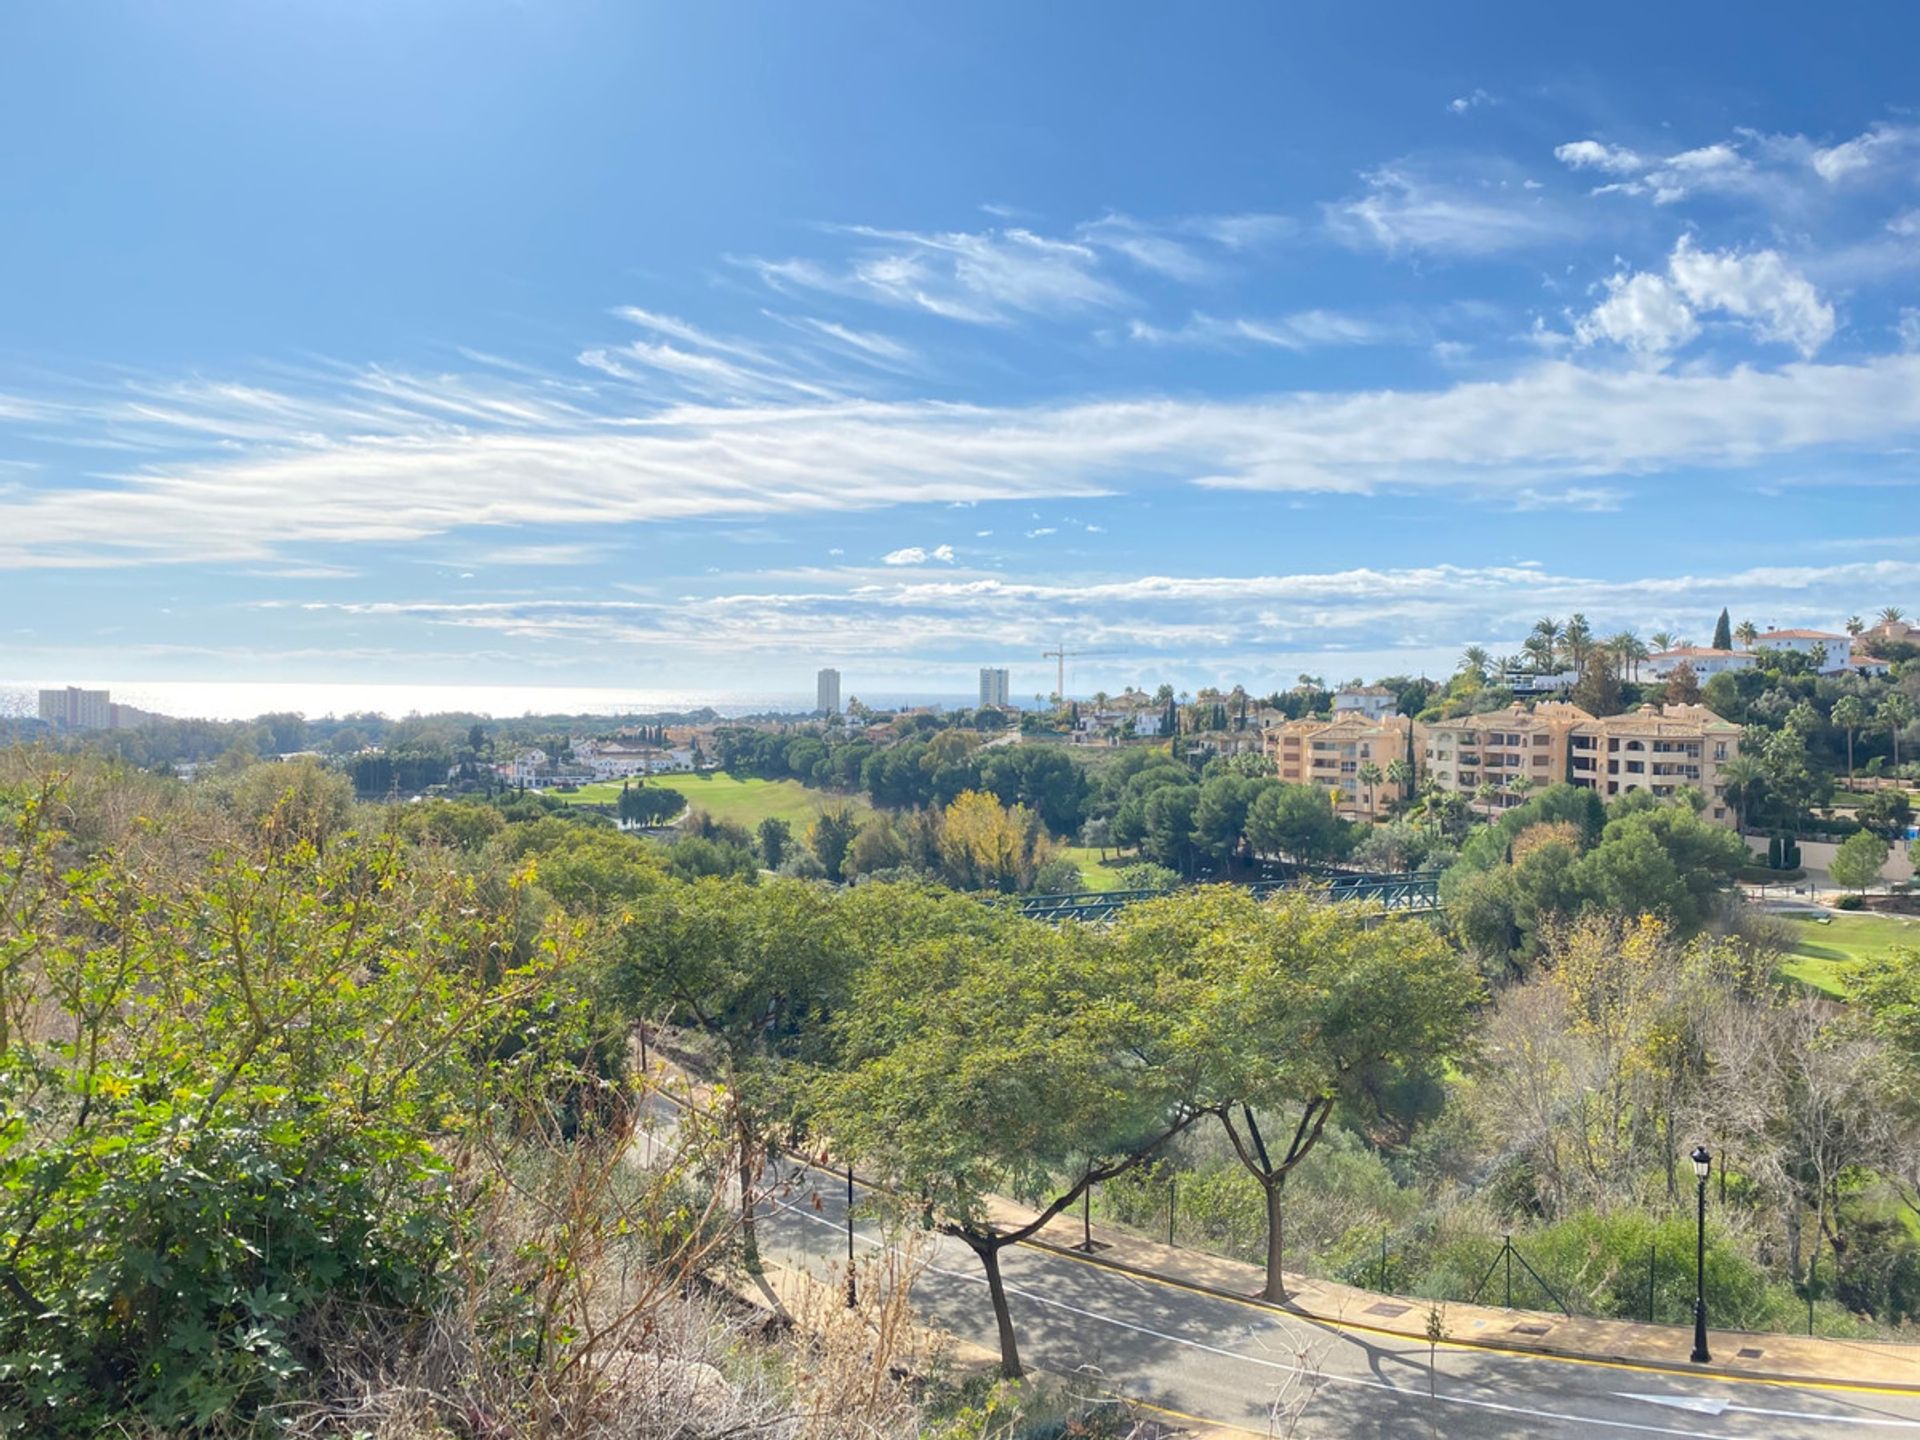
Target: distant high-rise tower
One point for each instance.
(829, 692)
(77, 709)
(993, 687)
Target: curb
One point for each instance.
(1505, 1347)
(1498, 1347)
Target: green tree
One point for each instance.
(776, 838)
(1597, 691)
(1723, 632)
(830, 836)
(1858, 861)
(755, 972)
(1296, 821)
(1370, 775)
(1894, 714)
(1293, 1006)
(1031, 1066)
(1849, 713)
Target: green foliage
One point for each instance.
(648, 804)
(1859, 860)
(1596, 1263)
(229, 1089)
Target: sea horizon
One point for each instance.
(317, 699)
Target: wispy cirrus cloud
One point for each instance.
(400, 473)
(1303, 330)
(984, 277)
(1405, 208)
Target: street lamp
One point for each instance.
(1702, 1167)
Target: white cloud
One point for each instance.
(981, 277)
(1303, 330)
(1246, 231)
(1042, 530)
(1908, 328)
(1643, 312)
(1758, 286)
(1855, 157)
(1148, 248)
(1653, 314)
(232, 473)
(1403, 210)
(1179, 618)
(916, 555)
(1461, 104)
(1594, 155)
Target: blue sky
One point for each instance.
(695, 346)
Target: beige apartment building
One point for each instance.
(1328, 754)
(1498, 747)
(1656, 748)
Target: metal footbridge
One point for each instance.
(1408, 891)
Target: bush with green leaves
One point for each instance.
(235, 1084)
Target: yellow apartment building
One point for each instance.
(1498, 747)
(1328, 754)
(1657, 748)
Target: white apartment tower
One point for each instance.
(993, 687)
(77, 709)
(828, 692)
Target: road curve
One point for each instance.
(1215, 1361)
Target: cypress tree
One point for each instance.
(1723, 632)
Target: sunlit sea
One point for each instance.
(242, 700)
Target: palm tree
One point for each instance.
(1400, 776)
(1520, 785)
(1485, 792)
(1742, 780)
(1578, 639)
(1849, 713)
(1661, 640)
(1540, 650)
(1895, 714)
(1547, 632)
(1474, 661)
(1370, 776)
(1892, 615)
(1855, 625)
(1746, 632)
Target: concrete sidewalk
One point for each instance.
(1799, 1359)
(1737, 1354)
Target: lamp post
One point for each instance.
(1702, 1167)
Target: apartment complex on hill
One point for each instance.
(1655, 749)
(1329, 754)
(1658, 749)
(1496, 748)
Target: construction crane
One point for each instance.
(1061, 654)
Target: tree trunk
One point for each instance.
(1009, 1346)
(749, 1241)
(1276, 1286)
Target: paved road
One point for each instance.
(1215, 1360)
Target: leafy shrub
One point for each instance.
(1849, 902)
(230, 1086)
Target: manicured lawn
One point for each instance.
(1819, 958)
(727, 797)
(1093, 875)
